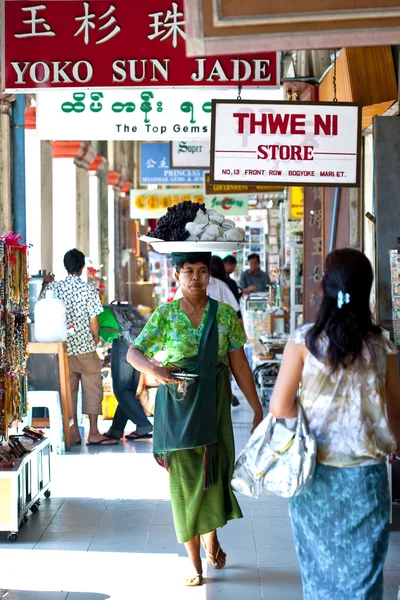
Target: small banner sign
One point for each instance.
(226, 188)
(155, 167)
(147, 204)
(190, 154)
(291, 143)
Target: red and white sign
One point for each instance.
(291, 143)
(114, 43)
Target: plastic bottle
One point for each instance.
(50, 319)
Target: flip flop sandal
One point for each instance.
(138, 436)
(213, 559)
(194, 581)
(102, 443)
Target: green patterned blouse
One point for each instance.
(169, 329)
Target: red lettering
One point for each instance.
(241, 117)
(328, 125)
(262, 152)
(308, 153)
(298, 124)
(262, 122)
(278, 123)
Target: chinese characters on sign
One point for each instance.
(87, 24)
(101, 43)
(286, 142)
(154, 114)
(155, 167)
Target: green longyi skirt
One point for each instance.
(195, 510)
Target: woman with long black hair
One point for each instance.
(350, 396)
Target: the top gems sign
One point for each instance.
(114, 43)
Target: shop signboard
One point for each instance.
(137, 114)
(155, 167)
(235, 188)
(103, 43)
(296, 203)
(147, 204)
(190, 154)
(289, 143)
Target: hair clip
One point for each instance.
(342, 298)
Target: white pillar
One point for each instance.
(33, 200)
(64, 212)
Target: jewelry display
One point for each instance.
(14, 308)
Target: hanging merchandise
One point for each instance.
(14, 308)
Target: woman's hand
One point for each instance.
(258, 417)
(395, 457)
(163, 375)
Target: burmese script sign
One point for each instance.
(292, 143)
(150, 114)
(154, 204)
(111, 43)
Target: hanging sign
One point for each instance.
(296, 203)
(291, 143)
(243, 188)
(103, 43)
(155, 167)
(190, 154)
(149, 114)
(154, 204)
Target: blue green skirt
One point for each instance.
(341, 532)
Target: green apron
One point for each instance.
(190, 421)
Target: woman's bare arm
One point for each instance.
(244, 378)
(139, 361)
(283, 400)
(393, 396)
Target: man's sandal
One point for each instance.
(194, 581)
(213, 559)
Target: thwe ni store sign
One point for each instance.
(137, 114)
(289, 143)
(118, 43)
(147, 204)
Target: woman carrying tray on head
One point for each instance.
(193, 436)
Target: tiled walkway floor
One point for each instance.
(107, 532)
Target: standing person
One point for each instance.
(125, 378)
(230, 264)
(254, 279)
(217, 270)
(193, 437)
(82, 304)
(349, 376)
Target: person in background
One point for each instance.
(230, 264)
(217, 270)
(125, 378)
(254, 279)
(351, 400)
(82, 305)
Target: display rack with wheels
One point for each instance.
(22, 486)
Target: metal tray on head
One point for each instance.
(163, 247)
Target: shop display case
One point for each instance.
(21, 487)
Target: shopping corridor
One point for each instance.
(107, 532)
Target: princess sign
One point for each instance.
(114, 43)
(291, 143)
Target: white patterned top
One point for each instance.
(345, 410)
(82, 302)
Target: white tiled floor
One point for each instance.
(107, 532)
